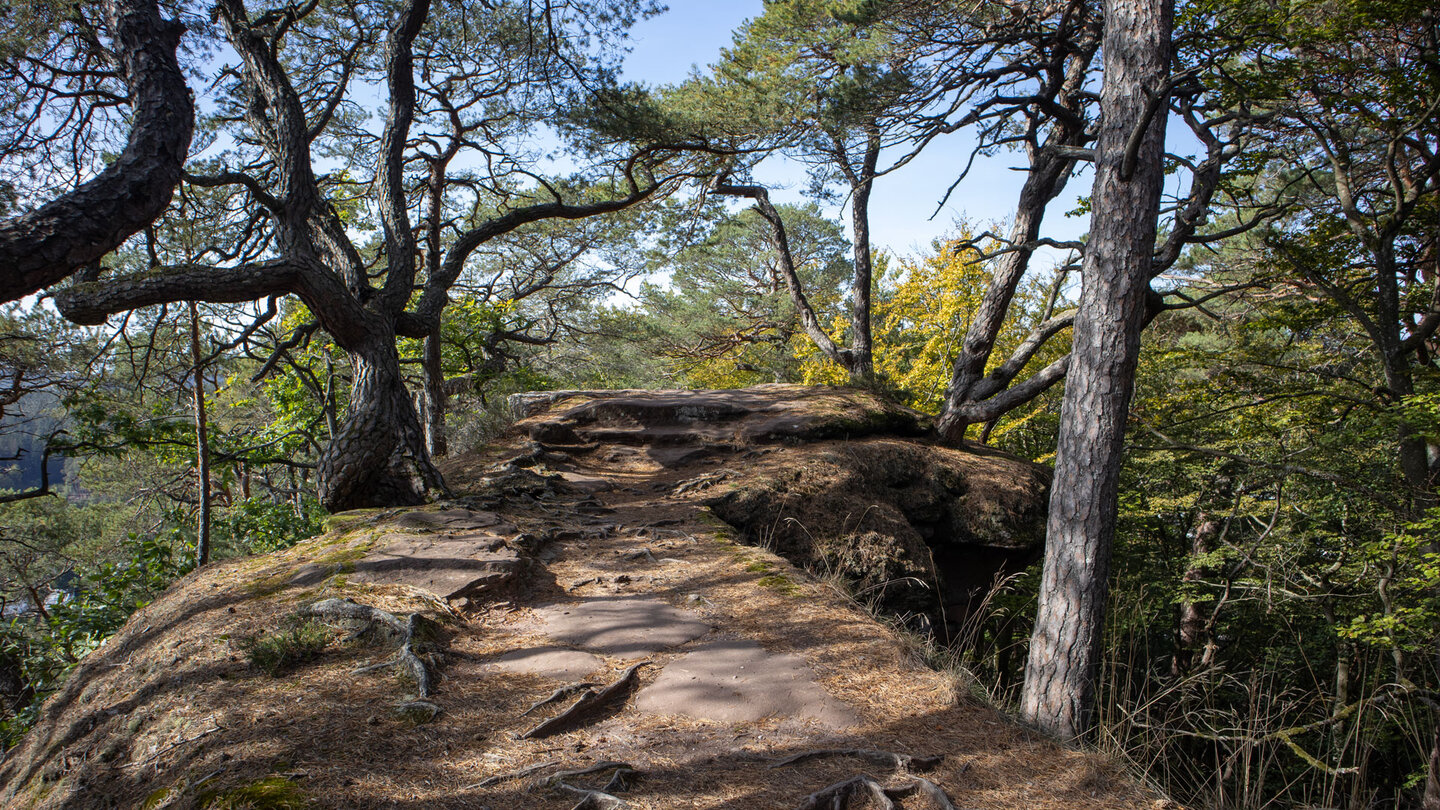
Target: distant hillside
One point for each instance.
(23, 433)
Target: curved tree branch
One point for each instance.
(781, 242)
(92, 302)
(46, 245)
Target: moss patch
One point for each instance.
(780, 584)
(271, 793)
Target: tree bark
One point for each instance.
(862, 354)
(433, 397)
(202, 444)
(53, 241)
(378, 456)
(1432, 778)
(1059, 691)
(1193, 634)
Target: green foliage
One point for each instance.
(42, 649)
(1406, 619)
(724, 317)
(305, 394)
(38, 651)
(259, 525)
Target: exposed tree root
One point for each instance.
(902, 763)
(559, 695)
(702, 482)
(936, 793)
(601, 799)
(594, 799)
(840, 795)
(506, 777)
(590, 799)
(406, 633)
(590, 705)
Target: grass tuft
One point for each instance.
(278, 653)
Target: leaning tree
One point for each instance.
(371, 226)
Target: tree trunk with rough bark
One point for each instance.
(378, 456)
(433, 398)
(202, 444)
(1193, 632)
(862, 353)
(1059, 691)
(50, 243)
(1432, 779)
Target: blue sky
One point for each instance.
(691, 34)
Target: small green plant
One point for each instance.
(278, 653)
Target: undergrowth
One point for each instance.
(39, 649)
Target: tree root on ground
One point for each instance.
(588, 708)
(902, 763)
(603, 798)
(702, 482)
(559, 695)
(590, 798)
(414, 631)
(840, 795)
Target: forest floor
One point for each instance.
(717, 674)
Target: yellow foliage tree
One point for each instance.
(922, 309)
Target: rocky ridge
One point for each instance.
(583, 626)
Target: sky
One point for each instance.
(903, 216)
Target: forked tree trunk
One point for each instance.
(378, 457)
(862, 367)
(1059, 692)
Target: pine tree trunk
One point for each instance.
(378, 456)
(434, 398)
(1059, 691)
(202, 444)
(1193, 634)
(1432, 779)
(862, 367)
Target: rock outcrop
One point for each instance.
(578, 629)
(832, 479)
